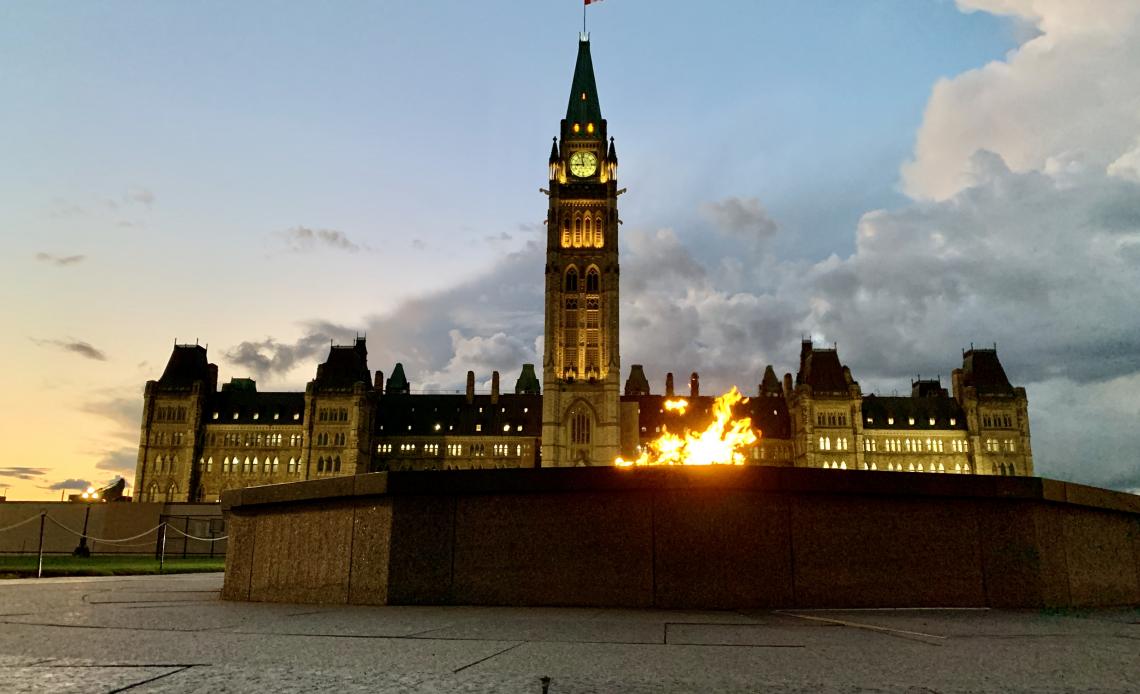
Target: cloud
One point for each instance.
(744, 217)
(1070, 89)
(124, 411)
(141, 196)
(69, 484)
(121, 461)
(502, 236)
(23, 473)
(271, 357)
(61, 260)
(83, 349)
(302, 239)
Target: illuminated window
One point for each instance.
(910, 420)
(890, 420)
(932, 421)
(589, 127)
(599, 237)
(577, 128)
(953, 422)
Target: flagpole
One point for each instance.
(584, 3)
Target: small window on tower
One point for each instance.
(583, 96)
(572, 279)
(590, 127)
(577, 128)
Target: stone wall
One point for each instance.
(719, 537)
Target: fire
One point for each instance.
(719, 444)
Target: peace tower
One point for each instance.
(580, 364)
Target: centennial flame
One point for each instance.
(721, 443)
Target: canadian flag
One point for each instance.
(590, 1)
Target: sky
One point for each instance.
(901, 178)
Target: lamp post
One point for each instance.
(89, 496)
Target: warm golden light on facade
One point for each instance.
(590, 128)
(678, 406)
(722, 443)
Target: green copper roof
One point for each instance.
(587, 109)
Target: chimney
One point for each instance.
(378, 383)
(470, 387)
(669, 384)
(494, 387)
(787, 385)
(695, 385)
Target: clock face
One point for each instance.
(583, 164)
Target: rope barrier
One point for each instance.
(194, 537)
(113, 541)
(23, 522)
(100, 539)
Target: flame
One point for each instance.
(719, 444)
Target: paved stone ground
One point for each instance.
(172, 634)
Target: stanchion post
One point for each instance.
(162, 548)
(40, 561)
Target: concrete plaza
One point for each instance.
(173, 634)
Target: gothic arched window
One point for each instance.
(577, 232)
(572, 279)
(592, 280)
(580, 427)
(565, 233)
(598, 237)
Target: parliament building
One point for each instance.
(198, 440)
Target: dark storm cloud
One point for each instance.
(69, 484)
(301, 239)
(121, 461)
(744, 217)
(60, 260)
(1018, 259)
(270, 357)
(23, 473)
(83, 349)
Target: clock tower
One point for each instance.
(580, 365)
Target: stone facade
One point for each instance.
(197, 441)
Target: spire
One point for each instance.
(554, 157)
(584, 107)
(612, 155)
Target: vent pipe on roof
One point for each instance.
(494, 387)
(378, 383)
(669, 384)
(695, 385)
(470, 387)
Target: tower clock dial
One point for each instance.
(583, 164)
